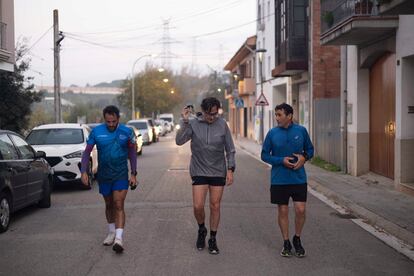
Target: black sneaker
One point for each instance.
(299, 250)
(201, 238)
(287, 249)
(212, 246)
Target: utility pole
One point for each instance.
(57, 38)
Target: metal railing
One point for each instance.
(333, 12)
(3, 35)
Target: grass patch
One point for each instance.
(317, 161)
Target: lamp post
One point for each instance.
(133, 86)
(260, 53)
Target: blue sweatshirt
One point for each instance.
(283, 142)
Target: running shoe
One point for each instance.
(212, 246)
(118, 246)
(109, 240)
(201, 238)
(287, 249)
(299, 250)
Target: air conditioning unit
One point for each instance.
(261, 26)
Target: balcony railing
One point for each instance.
(3, 35)
(334, 12)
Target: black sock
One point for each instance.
(213, 234)
(201, 225)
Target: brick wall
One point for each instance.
(326, 71)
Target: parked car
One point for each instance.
(155, 130)
(64, 145)
(93, 125)
(163, 126)
(25, 177)
(138, 137)
(144, 127)
(169, 117)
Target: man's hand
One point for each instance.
(287, 163)
(185, 113)
(85, 178)
(133, 182)
(229, 177)
(300, 162)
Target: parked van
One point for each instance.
(168, 117)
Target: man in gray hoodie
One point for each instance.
(210, 139)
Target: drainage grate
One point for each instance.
(343, 216)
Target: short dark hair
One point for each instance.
(285, 107)
(208, 103)
(111, 110)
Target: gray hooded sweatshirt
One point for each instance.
(208, 143)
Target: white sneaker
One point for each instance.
(109, 240)
(118, 246)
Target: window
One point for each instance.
(25, 150)
(7, 150)
(283, 33)
(56, 136)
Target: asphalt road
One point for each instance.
(160, 233)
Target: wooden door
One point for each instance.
(382, 116)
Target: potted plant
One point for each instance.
(363, 7)
(328, 17)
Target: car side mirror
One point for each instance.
(40, 154)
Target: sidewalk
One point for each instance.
(370, 197)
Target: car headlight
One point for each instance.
(76, 154)
(177, 127)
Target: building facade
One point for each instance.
(377, 72)
(7, 55)
(242, 94)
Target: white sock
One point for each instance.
(118, 233)
(111, 227)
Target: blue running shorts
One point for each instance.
(106, 189)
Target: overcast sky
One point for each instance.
(104, 38)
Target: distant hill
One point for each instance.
(115, 83)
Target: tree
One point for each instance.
(17, 94)
(152, 94)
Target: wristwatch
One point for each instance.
(231, 169)
(134, 173)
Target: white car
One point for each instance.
(144, 128)
(64, 145)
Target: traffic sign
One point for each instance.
(239, 103)
(262, 101)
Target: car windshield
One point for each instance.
(166, 119)
(139, 125)
(56, 136)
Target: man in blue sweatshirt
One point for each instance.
(287, 147)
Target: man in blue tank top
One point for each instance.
(287, 147)
(115, 144)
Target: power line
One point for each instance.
(37, 41)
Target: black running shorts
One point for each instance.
(280, 194)
(208, 180)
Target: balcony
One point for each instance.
(396, 7)
(247, 86)
(354, 22)
(291, 38)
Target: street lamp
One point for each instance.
(133, 86)
(260, 53)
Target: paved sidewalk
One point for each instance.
(370, 197)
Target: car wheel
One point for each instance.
(45, 202)
(5, 210)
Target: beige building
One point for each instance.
(376, 83)
(242, 96)
(7, 57)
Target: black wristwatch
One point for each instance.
(134, 173)
(231, 169)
